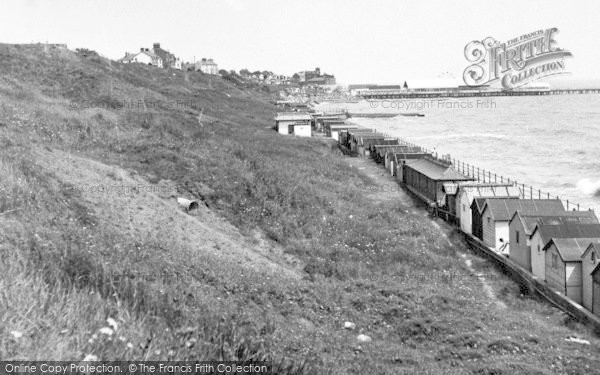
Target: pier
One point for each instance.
(466, 93)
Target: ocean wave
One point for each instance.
(589, 187)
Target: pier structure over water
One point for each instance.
(466, 93)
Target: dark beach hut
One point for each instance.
(425, 178)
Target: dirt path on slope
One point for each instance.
(151, 212)
(383, 190)
(384, 187)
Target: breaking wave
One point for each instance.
(589, 187)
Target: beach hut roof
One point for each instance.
(293, 116)
(567, 230)
(530, 220)
(502, 209)
(571, 249)
(437, 171)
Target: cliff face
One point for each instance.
(291, 239)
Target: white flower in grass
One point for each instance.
(111, 322)
(16, 334)
(106, 331)
(90, 357)
(130, 345)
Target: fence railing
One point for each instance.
(486, 176)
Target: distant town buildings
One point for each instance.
(207, 66)
(156, 57)
(162, 58)
(314, 77)
(145, 56)
(169, 59)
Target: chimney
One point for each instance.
(126, 54)
(156, 45)
(141, 49)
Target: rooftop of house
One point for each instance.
(571, 249)
(502, 209)
(163, 53)
(131, 56)
(437, 171)
(128, 57)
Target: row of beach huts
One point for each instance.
(560, 247)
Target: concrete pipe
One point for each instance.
(187, 204)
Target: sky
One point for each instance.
(382, 42)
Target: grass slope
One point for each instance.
(67, 265)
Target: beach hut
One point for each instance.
(333, 129)
(354, 138)
(321, 120)
(522, 224)
(563, 265)
(425, 178)
(543, 233)
(390, 156)
(495, 213)
(402, 158)
(590, 277)
(364, 142)
(460, 196)
(296, 123)
(369, 142)
(378, 151)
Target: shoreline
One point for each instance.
(484, 148)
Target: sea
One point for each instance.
(549, 142)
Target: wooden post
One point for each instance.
(567, 205)
(531, 192)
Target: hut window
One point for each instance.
(554, 261)
(464, 208)
(539, 248)
(517, 236)
(593, 257)
(488, 220)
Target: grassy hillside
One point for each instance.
(290, 246)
